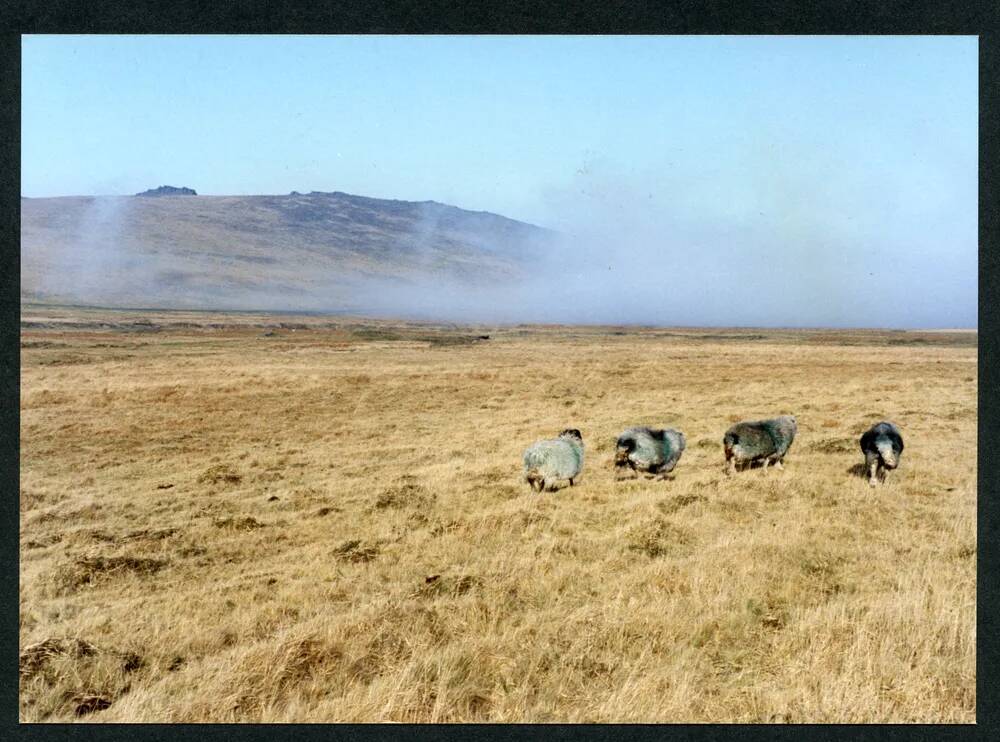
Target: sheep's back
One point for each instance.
(782, 430)
(753, 439)
(647, 449)
(556, 458)
(653, 448)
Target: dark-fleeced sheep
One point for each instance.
(882, 445)
(649, 450)
(549, 461)
(759, 440)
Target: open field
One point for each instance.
(224, 519)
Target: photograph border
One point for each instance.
(298, 17)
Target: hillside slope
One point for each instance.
(317, 251)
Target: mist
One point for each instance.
(618, 253)
(786, 252)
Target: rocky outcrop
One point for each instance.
(166, 190)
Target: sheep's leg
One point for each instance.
(731, 466)
(764, 468)
(778, 465)
(872, 473)
(571, 481)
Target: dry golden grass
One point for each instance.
(329, 525)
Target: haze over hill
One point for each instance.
(693, 181)
(312, 252)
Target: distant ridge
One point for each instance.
(321, 251)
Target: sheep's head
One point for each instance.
(888, 453)
(572, 433)
(623, 447)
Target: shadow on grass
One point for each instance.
(861, 472)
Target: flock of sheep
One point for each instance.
(657, 451)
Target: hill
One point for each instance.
(317, 251)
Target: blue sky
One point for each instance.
(804, 161)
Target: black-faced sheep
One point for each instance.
(649, 450)
(882, 446)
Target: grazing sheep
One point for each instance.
(546, 462)
(882, 446)
(649, 450)
(767, 440)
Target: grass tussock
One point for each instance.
(406, 495)
(220, 474)
(246, 523)
(228, 527)
(354, 550)
(72, 677)
(657, 537)
(87, 571)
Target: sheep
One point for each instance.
(767, 440)
(882, 446)
(546, 462)
(654, 451)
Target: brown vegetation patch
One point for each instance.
(966, 552)
(87, 703)
(35, 657)
(406, 495)
(266, 675)
(771, 612)
(447, 585)
(43, 542)
(140, 535)
(31, 499)
(834, 445)
(220, 474)
(72, 676)
(355, 550)
(441, 527)
(658, 537)
(246, 523)
(149, 534)
(737, 511)
(673, 504)
(89, 570)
